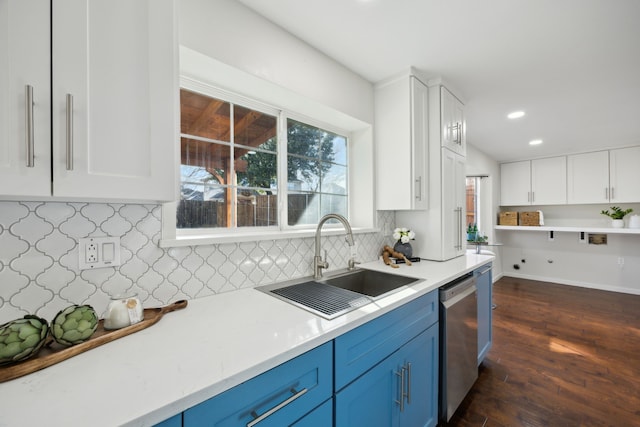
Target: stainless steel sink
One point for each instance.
(369, 282)
(339, 294)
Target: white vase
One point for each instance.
(617, 223)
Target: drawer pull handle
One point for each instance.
(258, 418)
(28, 118)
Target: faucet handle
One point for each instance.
(352, 264)
(325, 262)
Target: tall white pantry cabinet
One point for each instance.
(88, 105)
(441, 228)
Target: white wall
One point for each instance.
(478, 163)
(232, 33)
(614, 266)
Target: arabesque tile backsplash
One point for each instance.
(39, 258)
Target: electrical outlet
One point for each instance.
(620, 261)
(98, 252)
(91, 252)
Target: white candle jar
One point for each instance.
(123, 311)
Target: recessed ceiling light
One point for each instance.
(515, 114)
(535, 142)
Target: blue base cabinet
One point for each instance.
(484, 284)
(279, 397)
(383, 373)
(400, 391)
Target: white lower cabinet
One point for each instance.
(106, 75)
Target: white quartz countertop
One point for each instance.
(193, 354)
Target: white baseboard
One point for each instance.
(573, 283)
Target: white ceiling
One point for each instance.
(572, 65)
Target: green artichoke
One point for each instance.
(22, 338)
(74, 324)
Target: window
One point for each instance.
(316, 173)
(229, 175)
(472, 201)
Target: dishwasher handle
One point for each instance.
(460, 296)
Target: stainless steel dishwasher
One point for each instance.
(458, 342)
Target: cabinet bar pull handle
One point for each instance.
(69, 132)
(400, 401)
(612, 194)
(408, 383)
(419, 188)
(28, 124)
(258, 418)
(606, 193)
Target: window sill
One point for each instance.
(254, 236)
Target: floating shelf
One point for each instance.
(561, 229)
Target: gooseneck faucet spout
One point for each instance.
(318, 262)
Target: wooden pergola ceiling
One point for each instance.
(208, 117)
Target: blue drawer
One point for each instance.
(359, 350)
(296, 387)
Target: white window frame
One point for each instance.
(172, 236)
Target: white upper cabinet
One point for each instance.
(549, 181)
(401, 137)
(25, 94)
(452, 122)
(534, 182)
(113, 99)
(624, 175)
(588, 178)
(515, 183)
(605, 176)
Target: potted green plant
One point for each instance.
(617, 215)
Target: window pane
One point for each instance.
(334, 179)
(336, 150)
(303, 173)
(202, 206)
(257, 169)
(303, 139)
(334, 204)
(303, 208)
(253, 128)
(203, 161)
(204, 116)
(256, 208)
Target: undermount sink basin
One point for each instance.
(338, 294)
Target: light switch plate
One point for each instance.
(98, 252)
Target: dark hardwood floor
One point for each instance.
(561, 356)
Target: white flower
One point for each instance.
(403, 235)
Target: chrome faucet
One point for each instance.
(318, 262)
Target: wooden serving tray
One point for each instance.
(52, 352)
